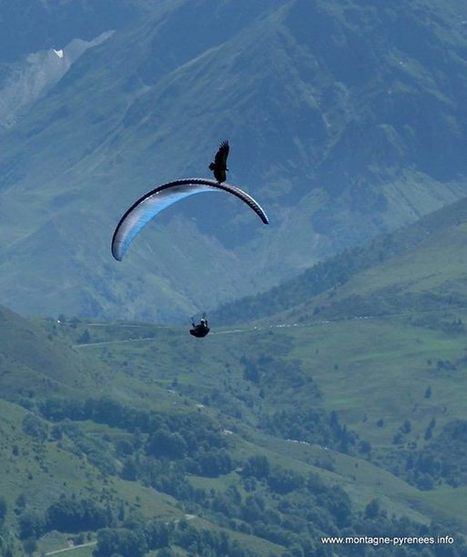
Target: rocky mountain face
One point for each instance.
(27, 81)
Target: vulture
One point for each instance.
(219, 166)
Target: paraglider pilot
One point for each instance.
(200, 330)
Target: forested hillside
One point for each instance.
(256, 442)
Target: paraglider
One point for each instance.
(219, 166)
(158, 199)
(152, 203)
(200, 330)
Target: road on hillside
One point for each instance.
(225, 332)
(103, 342)
(72, 548)
(251, 329)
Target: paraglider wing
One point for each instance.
(155, 201)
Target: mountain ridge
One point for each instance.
(334, 154)
(329, 277)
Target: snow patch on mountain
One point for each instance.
(26, 81)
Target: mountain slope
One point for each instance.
(280, 390)
(35, 361)
(28, 26)
(244, 435)
(354, 128)
(420, 267)
(26, 81)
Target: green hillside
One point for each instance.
(418, 268)
(270, 385)
(35, 362)
(327, 402)
(235, 439)
(343, 127)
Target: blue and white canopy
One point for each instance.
(155, 201)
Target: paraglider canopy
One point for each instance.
(155, 201)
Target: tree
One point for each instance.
(166, 552)
(30, 546)
(365, 447)
(406, 426)
(3, 510)
(31, 525)
(35, 427)
(283, 481)
(257, 466)
(120, 541)
(372, 509)
(425, 482)
(75, 515)
(214, 463)
(74, 322)
(166, 444)
(157, 534)
(429, 430)
(84, 338)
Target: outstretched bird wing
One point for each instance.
(222, 154)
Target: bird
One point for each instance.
(219, 166)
